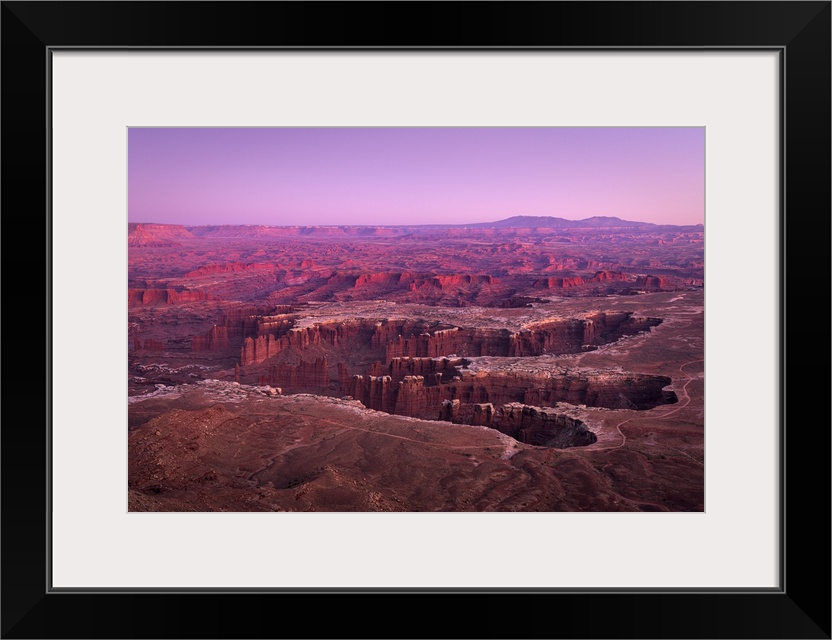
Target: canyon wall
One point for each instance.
(217, 268)
(156, 235)
(656, 283)
(148, 344)
(543, 427)
(411, 396)
(405, 339)
(215, 340)
(236, 324)
(559, 283)
(303, 375)
(150, 297)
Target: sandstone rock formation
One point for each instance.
(216, 340)
(542, 426)
(156, 235)
(412, 396)
(458, 368)
(149, 297)
(559, 283)
(655, 283)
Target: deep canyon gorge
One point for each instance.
(555, 367)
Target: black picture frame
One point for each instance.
(799, 31)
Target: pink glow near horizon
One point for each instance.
(375, 176)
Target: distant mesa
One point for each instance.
(146, 234)
(153, 297)
(342, 367)
(150, 234)
(595, 222)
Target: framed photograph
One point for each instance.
(364, 266)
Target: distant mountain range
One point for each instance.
(549, 222)
(514, 222)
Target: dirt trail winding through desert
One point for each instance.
(671, 412)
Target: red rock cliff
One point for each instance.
(559, 283)
(655, 283)
(144, 234)
(150, 297)
(215, 340)
(543, 427)
(304, 375)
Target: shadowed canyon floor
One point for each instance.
(484, 369)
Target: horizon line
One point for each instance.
(434, 224)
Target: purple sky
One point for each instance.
(323, 176)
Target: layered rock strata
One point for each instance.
(544, 427)
(417, 339)
(412, 396)
(152, 297)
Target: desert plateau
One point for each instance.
(533, 363)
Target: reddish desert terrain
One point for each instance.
(532, 364)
